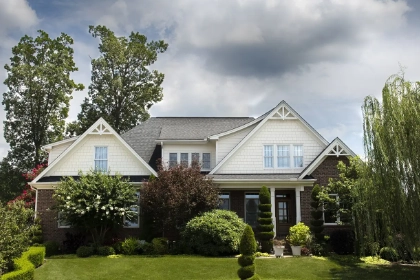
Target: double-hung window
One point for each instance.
(251, 208)
(224, 201)
(101, 159)
(184, 159)
(206, 161)
(298, 156)
(62, 223)
(134, 220)
(268, 156)
(173, 159)
(195, 158)
(283, 156)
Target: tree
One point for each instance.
(247, 248)
(177, 195)
(122, 88)
(16, 227)
(391, 138)
(97, 202)
(265, 221)
(38, 96)
(11, 181)
(317, 222)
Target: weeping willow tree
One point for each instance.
(390, 201)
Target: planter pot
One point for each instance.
(278, 251)
(296, 250)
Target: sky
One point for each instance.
(242, 57)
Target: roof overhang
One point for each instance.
(181, 142)
(48, 147)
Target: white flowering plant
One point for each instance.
(96, 202)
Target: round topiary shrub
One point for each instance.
(265, 222)
(51, 248)
(85, 251)
(214, 233)
(389, 254)
(247, 248)
(106, 251)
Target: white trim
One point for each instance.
(250, 134)
(338, 216)
(36, 202)
(298, 209)
(101, 122)
(321, 157)
(239, 128)
(273, 209)
(51, 145)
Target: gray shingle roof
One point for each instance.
(142, 138)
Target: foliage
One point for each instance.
(129, 246)
(247, 247)
(51, 248)
(122, 88)
(36, 235)
(11, 180)
(391, 196)
(38, 97)
(298, 234)
(389, 254)
(24, 267)
(213, 233)
(106, 251)
(160, 246)
(342, 241)
(85, 251)
(265, 222)
(72, 242)
(16, 227)
(177, 195)
(317, 222)
(97, 202)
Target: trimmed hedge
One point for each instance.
(106, 251)
(85, 251)
(26, 264)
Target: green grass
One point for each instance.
(192, 267)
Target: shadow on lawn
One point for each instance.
(354, 268)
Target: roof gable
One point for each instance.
(100, 127)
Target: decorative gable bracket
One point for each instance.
(100, 129)
(337, 151)
(283, 113)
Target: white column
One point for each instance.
(298, 212)
(273, 208)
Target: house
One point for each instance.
(278, 149)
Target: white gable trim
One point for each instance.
(99, 127)
(51, 145)
(276, 113)
(239, 128)
(335, 148)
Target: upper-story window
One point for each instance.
(173, 159)
(206, 161)
(268, 156)
(101, 159)
(184, 159)
(283, 156)
(298, 156)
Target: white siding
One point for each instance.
(57, 150)
(249, 158)
(226, 143)
(189, 148)
(81, 158)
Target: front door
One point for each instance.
(285, 211)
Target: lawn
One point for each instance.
(192, 267)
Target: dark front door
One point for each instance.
(285, 211)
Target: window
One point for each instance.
(283, 156)
(195, 158)
(206, 161)
(283, 211)
(101, 159)
(224, 199)
(184, 159)
(268, 156)
(173, 159)
(298, 156)
(251, 209)
(330, 216)
(62, 223)
(134, 222)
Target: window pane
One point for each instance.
(134, 221)
(101, 159)
(251, 209)
(298, 156)
(283, 157)
(173, 159)
(195, 158)
(206, 160)
(268, 156)
(224, 199)
(184, 159)
(283, 212)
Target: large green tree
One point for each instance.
(123, 88)
(38, 96)
(12, 181)
(391, 135)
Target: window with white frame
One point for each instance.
(62, 223)
(251, 208)
(184, 159)
(206, 161)
(283, 156)
(195, 158)
(268, 156)
(101, 159)
(224, 199)
(298, 155)
(330, 215)
(134, 222)
(173, 159)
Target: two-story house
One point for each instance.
(278, 149)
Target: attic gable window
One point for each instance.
(101, 159)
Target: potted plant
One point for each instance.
(298, 237)
(278, 245)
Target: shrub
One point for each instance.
(213, 233)
(85, 251)
(298, 234)
(342, 241)
(36, 237)
(146, 248)
(72, 242)
(317, 223)
(247, 247)
(389, 254)
(129, 246)
(265, 222)
(160, 246)
(24, 267)
(51, 248)
(105, 251)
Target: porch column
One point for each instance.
(273, 207)
(298, 212)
